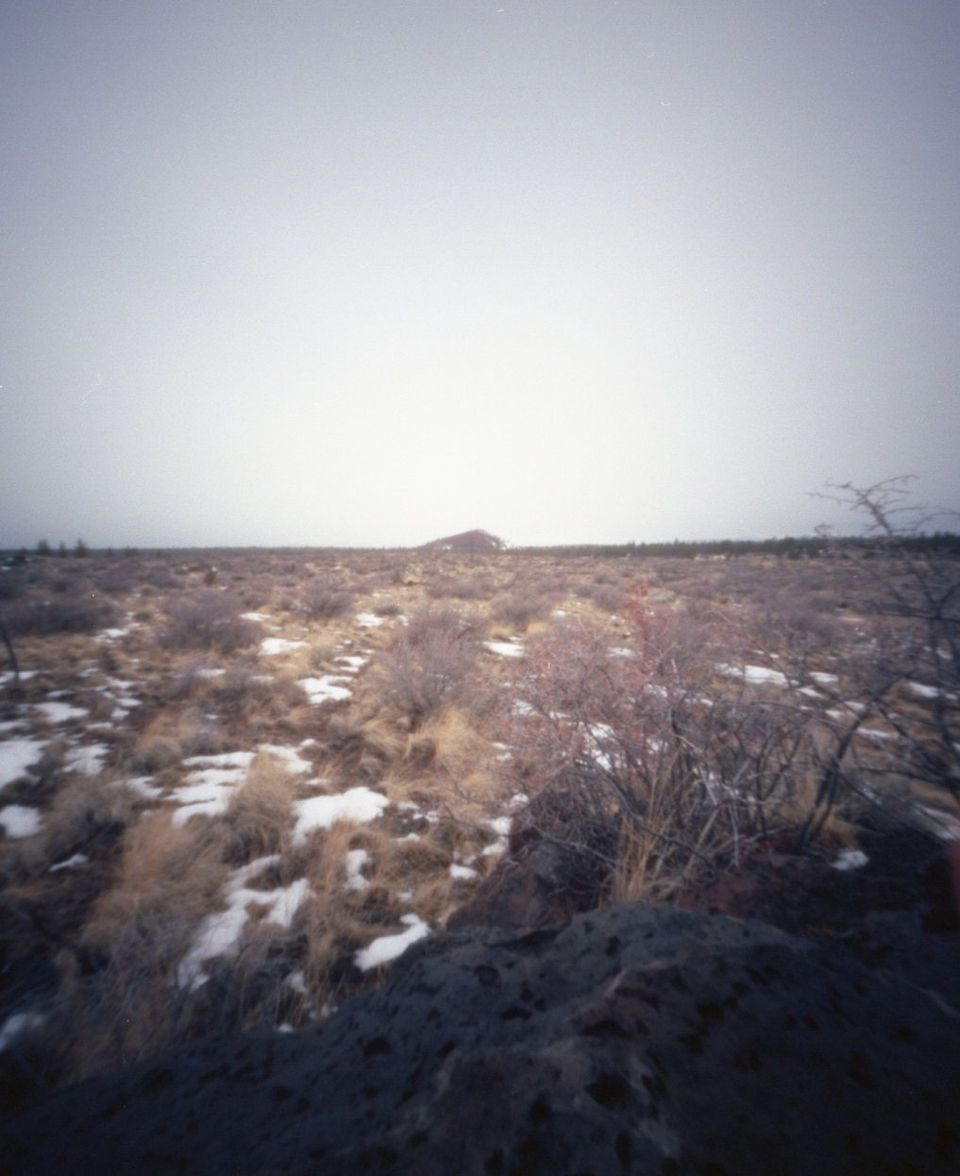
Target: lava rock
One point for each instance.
(635, 1039)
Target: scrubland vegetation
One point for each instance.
(236, 785)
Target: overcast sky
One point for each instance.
(367, 273)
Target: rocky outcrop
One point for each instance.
(632, 1040)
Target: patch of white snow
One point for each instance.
(387, 948)
(505, 648)
(60, 712)
(356, 860)
(88, 759)
(274, 645)
(19, 821)
(78, 859)
(325, 689)
(17, 1024)
(16, 756)
(359, 805)
(850, 859)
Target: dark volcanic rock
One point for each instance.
(633, 1040)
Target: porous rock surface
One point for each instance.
(634, 1039)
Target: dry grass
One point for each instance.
(131, 1004)
(419, 726)
(168, 874)
(87, 816)
(259, 816)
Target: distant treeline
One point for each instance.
(811, 547)
(945, 543)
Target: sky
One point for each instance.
(359, 273)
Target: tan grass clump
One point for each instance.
(131, 1006)
(259, 816)
(87, 814)
(168, 873)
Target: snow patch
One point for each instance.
(78, 859)
(19, 821)
(87, 759)
(292, 761)
(754, 675)
(274, 645)
(112, 634)
(505, 648)
(325, 689)
(356, 860)
(220, 933)
(351, 663)
(8, 676)
(60, 712)
(850, 859)
(359, 805)
(226, 759)
(17, 1024)
(390, 947)
(142, 786)
(17, 756)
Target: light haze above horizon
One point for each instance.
(364, 274)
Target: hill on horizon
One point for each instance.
(466, 541)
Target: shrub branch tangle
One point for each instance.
(684, 779)
(428, 664)
(913, 594)
(209, 620)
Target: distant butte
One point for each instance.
(466, 541)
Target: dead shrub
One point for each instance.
(464, 588)
(428, 664)
(209, 620)
(520, 607)
(12, 585)
(389, 608)
(81, 613)
(688, 783)
(241, 691)
(606, 597)
(324, 601)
